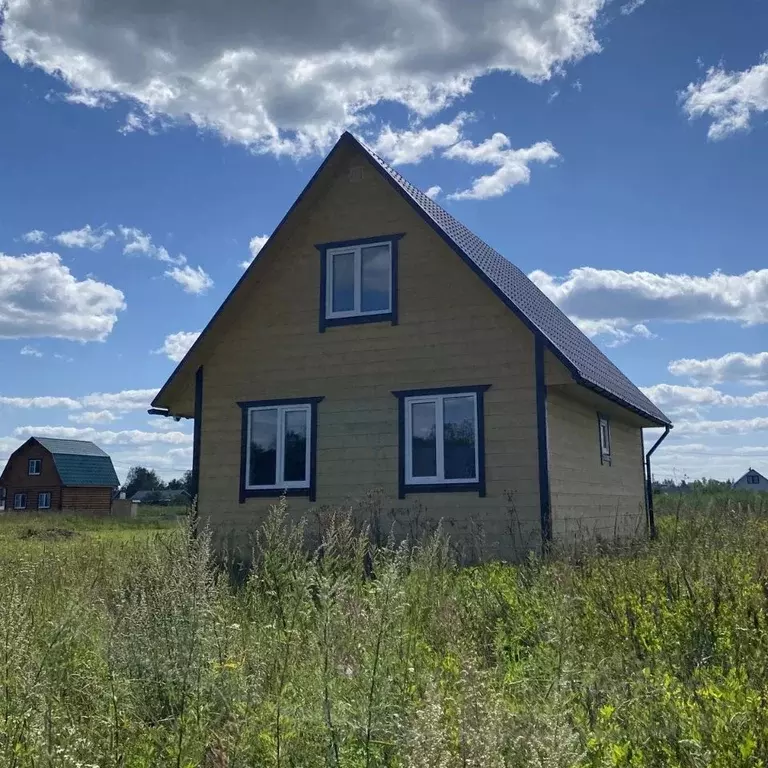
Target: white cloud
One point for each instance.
(192, 279)
(674, 396)
(288, 82)
(433, 192)
(403, 147)
(65, 358)
(733, 367)
(176, 345)
(127, 400)
(93, 417)
(617, 303)
(255, 246)
(34, 236)
(40, 297)
(40, 402)
(28, 351)
(615, 335)
(512, 164)
(105, 437)
(87, 237)
(632, 6)
(728, 99)
(724, 426)
(119, 402)
(137, 241)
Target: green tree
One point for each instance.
(142, 479)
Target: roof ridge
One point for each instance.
(583, 358)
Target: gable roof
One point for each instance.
(586, 363)
(80, 462)
(751, 471)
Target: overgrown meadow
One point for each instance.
(125, 644)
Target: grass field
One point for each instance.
(121, 644)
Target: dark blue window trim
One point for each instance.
(479, 485)
(360, 319)
(605, 458)
(197, 432)
(545, 499)
(245, 493)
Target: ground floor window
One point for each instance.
(441, 441)
(20, 501)
(278, 447)
(44, 500)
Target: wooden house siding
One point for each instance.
(452, 331)
(87, 500)
(590, 498)
(16, 478)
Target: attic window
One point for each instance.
(35, 466)
(359, 281)
(753, 479)
(604, 426)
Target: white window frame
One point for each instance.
(357, 250)
(605, 438)
(439, 478)
(38, 463)
(47, 496)
(280, 459)
(16, 497)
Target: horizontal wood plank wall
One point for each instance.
(590, 498)
(87, 500)
(452, 331)
(16, 478)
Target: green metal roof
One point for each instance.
(80, 462)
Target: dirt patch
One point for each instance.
(47, 534)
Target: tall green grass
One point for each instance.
(140, 651)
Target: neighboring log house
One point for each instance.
(48, 474)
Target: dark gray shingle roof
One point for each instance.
(587, 363)
(80, 462)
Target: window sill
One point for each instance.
(471, 487)
(273, 493)
(333, 322)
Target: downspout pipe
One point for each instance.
(649, 483)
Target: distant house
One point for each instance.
(163, 498)
(46, 473)
(377, 343)
(752, 481)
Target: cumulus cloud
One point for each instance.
(614, 303)
(114, 402)
(512, 164)
(93, 417)
(40, 402)
(31, 352)
(724, 426)
(87, 237)
(733, 367)
(176, 345)
(105, 437)
(34, 236)
(255, 246)
(139, 242)
(673, 396)
(287, 77)
(412, 146)
(192, 279)
(433, 192)
(728, 99)
(40, 297)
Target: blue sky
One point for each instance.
(617, 152)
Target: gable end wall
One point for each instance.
(452, 331)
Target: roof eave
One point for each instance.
(157, 402)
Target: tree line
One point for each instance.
(145, 479)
